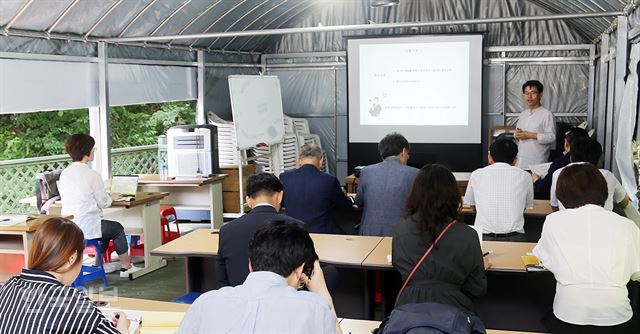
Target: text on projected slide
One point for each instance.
(414, 84)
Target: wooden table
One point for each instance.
(189, 195)
(141, 217)
(354, 326)
(138, 217)
(462, 179)
(344, 250)
(541, 208)
(346, 253)
(506, 255)
(17, 239)
(139, 304)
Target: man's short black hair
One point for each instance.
(585, 150)
(533, 83)
(392, 145)
(503, 150)
(575, 133)
(280, 247)
(263, 184)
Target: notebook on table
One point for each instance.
(127, 185)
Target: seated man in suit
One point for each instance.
(542, 186)
(585, 150)
(281, 258)
(311, 195)
(264, 194)
(499, 193)
(383, 187)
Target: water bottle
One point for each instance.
(163, 167)
(163, 170)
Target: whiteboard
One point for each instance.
(256, 104)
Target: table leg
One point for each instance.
(200, 274)
(215, 194)
(352, 298)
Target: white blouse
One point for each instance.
(83, 195)
(593, 253)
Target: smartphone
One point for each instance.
(308, 269)
(100, 303)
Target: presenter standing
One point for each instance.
(536, 128)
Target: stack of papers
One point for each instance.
(155, 322)
(540, 169)
(13, 220)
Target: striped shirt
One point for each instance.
(36, 302)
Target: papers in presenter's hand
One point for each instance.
(13, 220)
(540, 169)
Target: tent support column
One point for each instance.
(201, 117)
(620, 73)
(99, 117)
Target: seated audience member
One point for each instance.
(542, 186)
(312, 195)
(41, 299)
(264, 194)
(83, 195)
(499, 193)
(453, 272)
(383, 187)
(593, 253)
(281, 259)
(584, 150)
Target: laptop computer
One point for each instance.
(127, 185)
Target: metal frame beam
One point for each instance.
(107, 13)
(256, 20)
(286, 31)
(195, 19)
(61, 16)
(166, 19)
(591, 89)
(238, 20)
(135, 18)
(18, 14)
(215, 22)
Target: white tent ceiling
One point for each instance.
(127, 18)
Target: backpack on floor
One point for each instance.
(430, 318)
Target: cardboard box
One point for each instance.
(231, 183)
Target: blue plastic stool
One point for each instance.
(189, 298)
(90, 273)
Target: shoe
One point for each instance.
(111, 267)
(124, 273)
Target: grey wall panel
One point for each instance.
(216, 98)
(307, 91)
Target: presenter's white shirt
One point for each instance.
(616, 192)
(536, 151)
(592, 252)
(83, 195)
(500, 193)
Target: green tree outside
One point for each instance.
(43, 133)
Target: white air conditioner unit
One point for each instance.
(192, 150)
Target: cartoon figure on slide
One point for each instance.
(376, 108)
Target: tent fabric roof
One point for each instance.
(126, 18)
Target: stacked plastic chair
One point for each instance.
(227, 142)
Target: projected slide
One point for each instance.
(414, 84)
(427, 87)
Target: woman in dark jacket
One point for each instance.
(453, 273)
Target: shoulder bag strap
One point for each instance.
(423, 258)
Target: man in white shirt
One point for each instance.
(500, 193)
(585, 150)
(281, 258)
(536, 128)
(593, 253)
